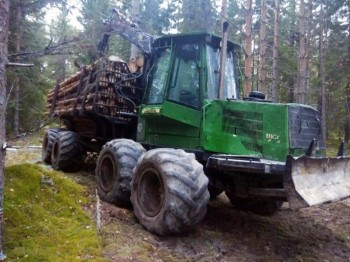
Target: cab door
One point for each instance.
(173, 103)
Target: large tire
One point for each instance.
(114, 170)
(49, 138)
(169, 191)
(67, 152)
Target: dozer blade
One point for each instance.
(311, 181)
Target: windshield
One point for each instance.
(184, 87)
(159, 75)
(213, 62)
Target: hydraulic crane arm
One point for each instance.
(121, 25)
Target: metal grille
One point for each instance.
(243, 123)
(304, 126)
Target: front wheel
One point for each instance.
(169, 191)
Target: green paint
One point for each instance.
(246, 128)
(181, 113)
(175, 125)
(185, 113)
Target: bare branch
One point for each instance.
(57, 49)
(19, 64)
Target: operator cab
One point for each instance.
(186, 69)
(181, 82)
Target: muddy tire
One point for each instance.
(67, 152)
(49, 138)
(114, 170)
(259, 207)
(169, 191)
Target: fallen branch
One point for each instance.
(98, 213)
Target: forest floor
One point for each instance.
(319, 233)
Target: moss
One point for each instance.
(44, 219)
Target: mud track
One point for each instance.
(312, 234)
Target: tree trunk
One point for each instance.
(308, 43)
(135, 13)
(303, 64)
(15, 125)
(322, 76)
(347, 120)
(275, 69)
(248, 63)
(223, 54)
(4, 25)
(292, 81)
(17, 80)
(262, 50)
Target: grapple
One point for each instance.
(311, 181)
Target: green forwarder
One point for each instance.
(183, 139)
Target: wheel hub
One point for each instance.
(55, 151)
(151, 192)
(108, 171)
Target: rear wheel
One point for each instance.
(169, 191)
(114, 170)
(67, 152)
(48, 140)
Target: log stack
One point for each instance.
(106, 87)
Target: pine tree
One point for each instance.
(27, 85)
(262, 47)
(197, 21)
(303, 54)
(152, 17)
(248, 48)
(322, 74)
(275, 55)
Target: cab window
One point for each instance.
(159, 75)
(184, 82)
(230, 89)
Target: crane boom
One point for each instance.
(123, 26)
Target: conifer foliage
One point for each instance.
(294, 51)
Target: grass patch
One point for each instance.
(30, 139)
(333, 144)
(23, 155)
(44, 219)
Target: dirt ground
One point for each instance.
(312, 234)
(226, 234)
